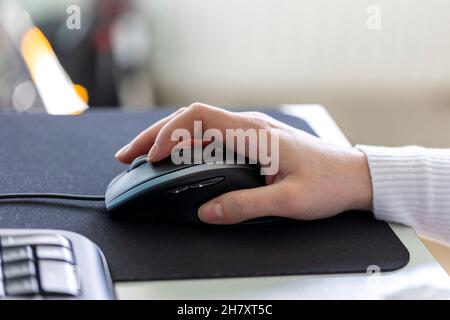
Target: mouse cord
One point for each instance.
(51, 196)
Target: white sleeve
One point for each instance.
(411, 185)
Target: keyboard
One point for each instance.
(50, 264)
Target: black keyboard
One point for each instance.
(49, 264)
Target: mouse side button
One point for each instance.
(178, 190)
(206, 183)
(196, 185)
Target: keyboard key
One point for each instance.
(36, 239)
(22, 287)
(58, 278)
(19, 270)
(54, 253)
(17, 254)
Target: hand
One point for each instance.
(315, 179)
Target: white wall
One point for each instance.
(295, 47)
(267, 52)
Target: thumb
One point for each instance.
(242, 205)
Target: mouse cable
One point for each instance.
(51, 196)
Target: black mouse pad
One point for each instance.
(41, 153)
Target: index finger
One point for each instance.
(144, 141)
(211, 118)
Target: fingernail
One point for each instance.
(152, 152)
(211, 213)
(122, 151)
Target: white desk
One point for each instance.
(423, 277)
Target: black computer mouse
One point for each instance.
(166, 192)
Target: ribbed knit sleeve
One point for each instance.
(411, 185)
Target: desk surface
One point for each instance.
(423, 277)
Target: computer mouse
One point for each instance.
(166, 192)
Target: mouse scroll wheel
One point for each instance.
(138, 162)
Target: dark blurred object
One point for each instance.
(86, 53)
(17, 90)
(32, 67)
(105, 55)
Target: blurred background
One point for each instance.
(386, 83)
(381, 68)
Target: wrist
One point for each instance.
(361, 182)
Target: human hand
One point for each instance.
(315, 179)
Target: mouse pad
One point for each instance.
(64, 154)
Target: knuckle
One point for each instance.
(197, 107)
(260, 120)
(253, 114)
(262, 123)
(256, 115)
(181, 110)
(262, 116)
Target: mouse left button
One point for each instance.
(138, 162)
(113, 181)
